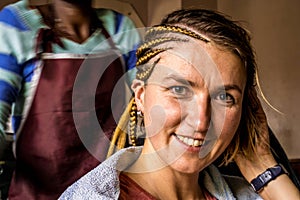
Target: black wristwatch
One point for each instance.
(270, 174)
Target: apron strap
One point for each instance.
(44, 40)
(107, 36)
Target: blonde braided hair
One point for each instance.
(176, 29)
(154, 37)
(119, 136)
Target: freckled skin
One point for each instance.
(195, 109)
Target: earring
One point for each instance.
(139, 114)
(140, 129)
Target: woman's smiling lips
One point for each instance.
(190, 141)
(195, 144)
(191, 144)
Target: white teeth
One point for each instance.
(186, 140)
(196, 143)
(190, 141)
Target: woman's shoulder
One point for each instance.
(103, 180)
(18, 29)
(20, 16)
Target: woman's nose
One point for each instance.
(199, 113)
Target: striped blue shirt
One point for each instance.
(19, 26)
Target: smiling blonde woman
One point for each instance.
(194, 99)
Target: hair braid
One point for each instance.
(152, 43)
(175, 29)
(132, 123)
(154, 37)
(150, 54)
(119, 136)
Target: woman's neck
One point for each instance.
(165, 182)
(73, 20)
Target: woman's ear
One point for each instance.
(138, 87)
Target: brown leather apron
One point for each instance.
(60, 139)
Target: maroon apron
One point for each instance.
(70, 121)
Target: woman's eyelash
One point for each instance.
(225, 97)
(181, 91)
(177, 89)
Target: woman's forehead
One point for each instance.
(212, 66)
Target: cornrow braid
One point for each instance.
(144, 72)
(152, 43)
(148, 55)
(132, 123)
(154, 37)
(175, 29)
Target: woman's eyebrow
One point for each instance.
(231, 87)
(177, 78)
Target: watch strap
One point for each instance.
(264, 178)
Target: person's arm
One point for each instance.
(282, 186)
(11, 40)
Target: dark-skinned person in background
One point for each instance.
(60, 63)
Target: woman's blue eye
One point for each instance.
(180, 91)
(225, 98)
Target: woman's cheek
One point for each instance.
(165, 117)
(231, 124)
